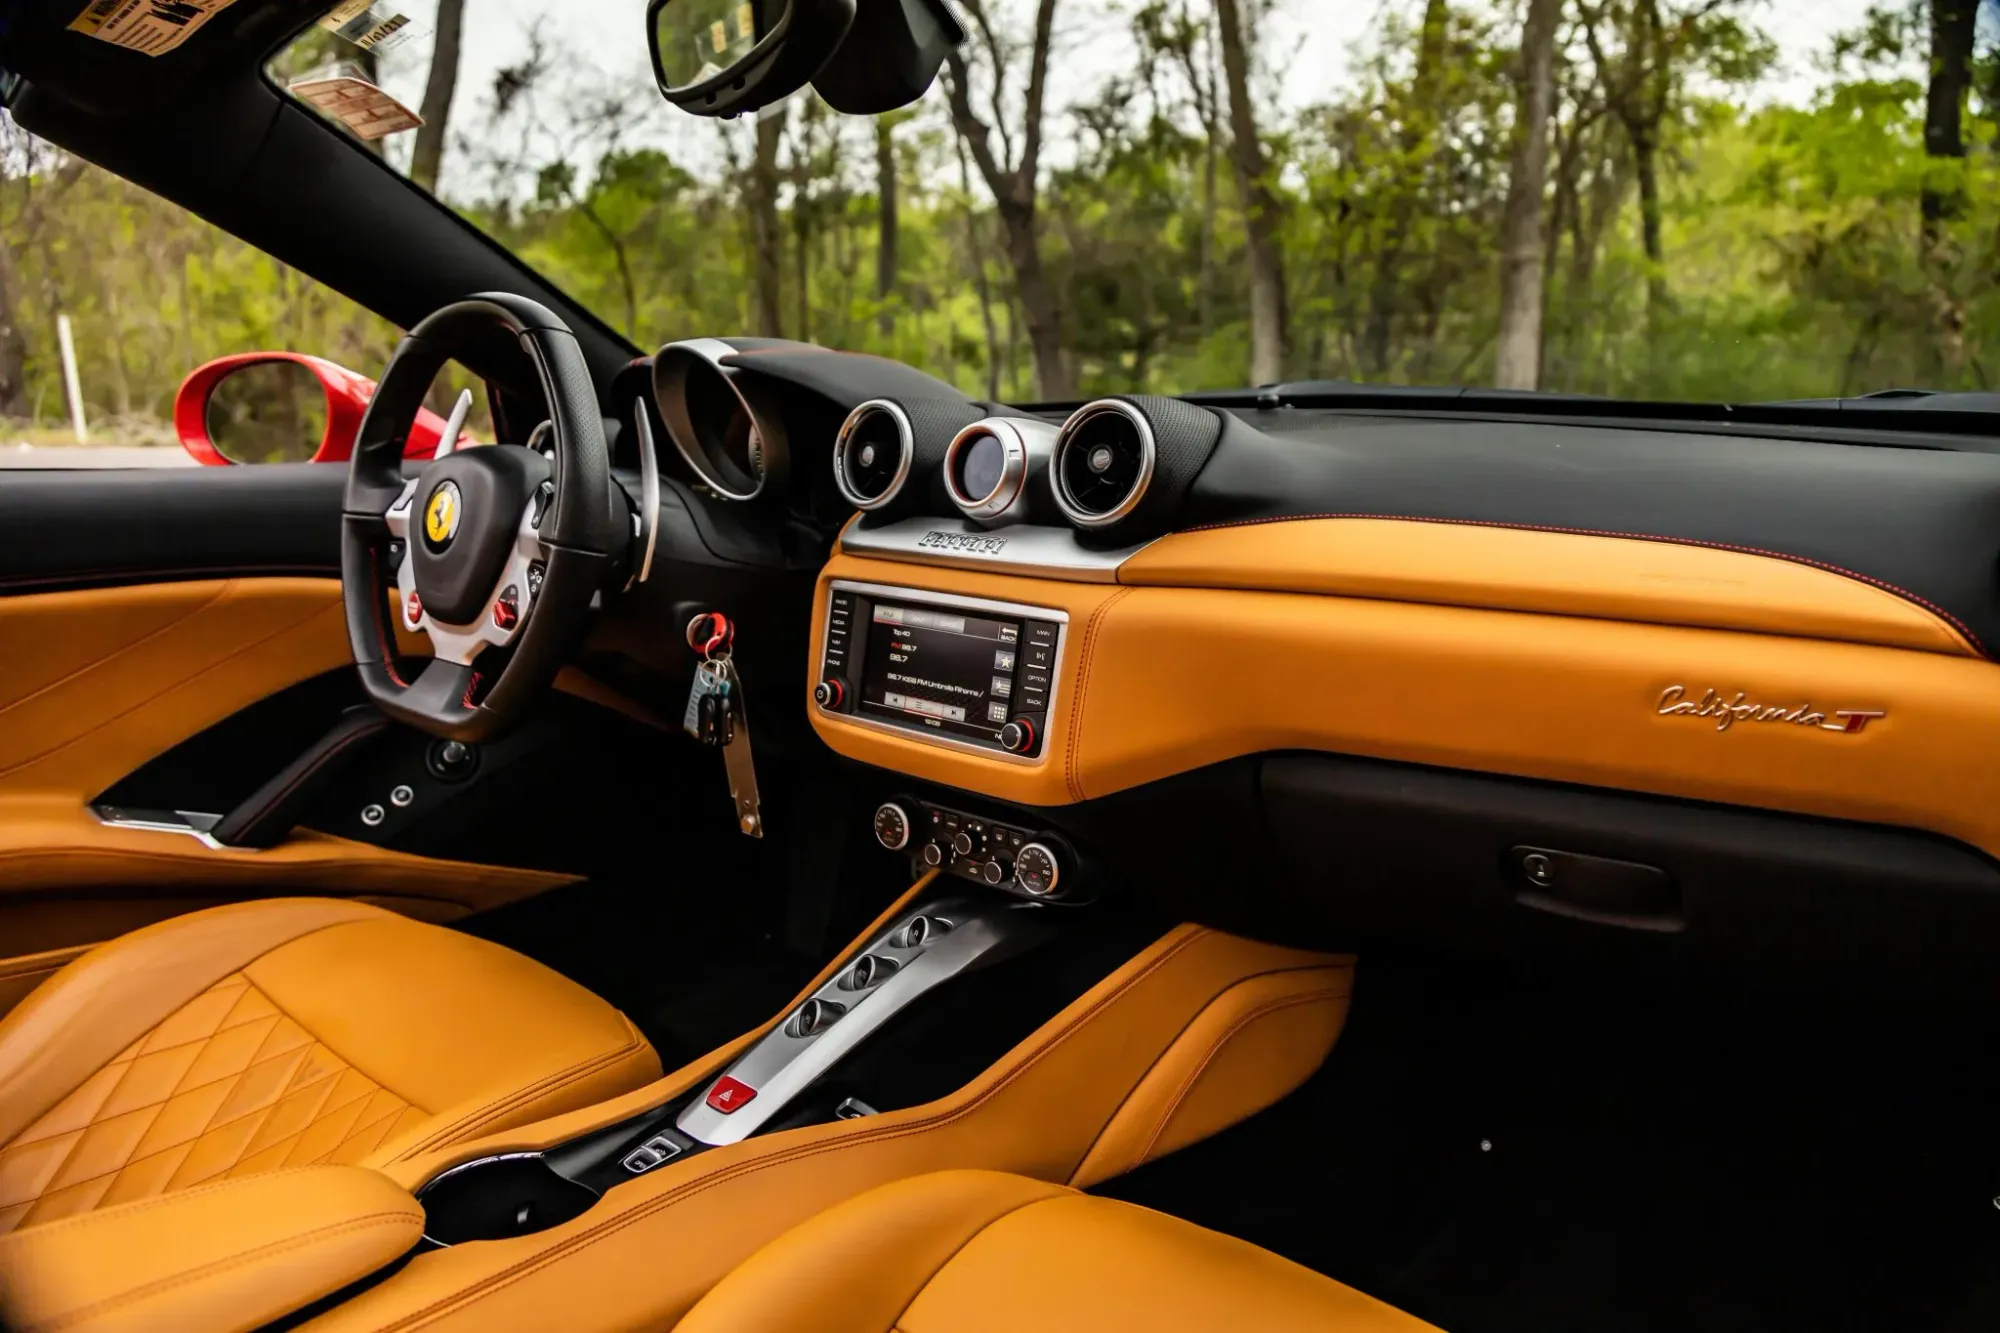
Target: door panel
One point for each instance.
(112, 654)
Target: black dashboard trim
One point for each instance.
(1921, 523)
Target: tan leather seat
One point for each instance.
(971, 1251)
(283, 1033)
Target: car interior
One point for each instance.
(793, 846)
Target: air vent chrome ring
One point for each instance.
(846, 469)
(1071, 436)
(1013, 467)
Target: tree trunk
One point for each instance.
(885, 226)
(1260, 204)
(976, 257)
(1518, 357)
(1014, 188)
(1039, 306)
(802, 229)
(1387, 295)
(1952, 23)
(1646, 165)
(766, 244)
(428, 151)
(13, 343)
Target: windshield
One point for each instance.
(1664, 199)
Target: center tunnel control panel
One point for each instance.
(1039, 865)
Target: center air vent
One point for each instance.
(871, 456)
(1102, 464)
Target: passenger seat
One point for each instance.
(971, 1251)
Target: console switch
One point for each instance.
(730, 1094)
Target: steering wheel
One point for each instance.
(490, 548)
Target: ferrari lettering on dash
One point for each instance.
(962, 542)
(1729, 710)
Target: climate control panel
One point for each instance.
(1034, 864)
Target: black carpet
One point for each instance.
(1495, 1151)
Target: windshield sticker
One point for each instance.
(356, 103)
(370, 25)
(150, 27)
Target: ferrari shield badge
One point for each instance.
(441, 516)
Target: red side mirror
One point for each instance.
(259, 407)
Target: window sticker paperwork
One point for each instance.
(150, 27)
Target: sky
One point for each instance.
(1309, 45)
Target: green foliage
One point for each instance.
(1794, 257)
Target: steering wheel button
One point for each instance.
(507, 609)
(730, 1094)
(413, 608)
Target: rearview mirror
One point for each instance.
(725, 57)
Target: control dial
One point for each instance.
(993, 872)
(969, 843)
(1018, 736)
(814, 1017)
(933, 854)
(830, 693)
(1038, 872)
(892, 826)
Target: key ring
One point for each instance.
(711, 633)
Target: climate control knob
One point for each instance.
(993, 872)
(1038, 872)
(1018, 736)
(933, 854)
(892, 826)
(969, 843)
(830, 693)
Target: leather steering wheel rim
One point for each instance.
(551, 530)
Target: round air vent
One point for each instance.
(987, 464)
(871, 455)
(1103, 463)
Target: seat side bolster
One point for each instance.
(81, 1018)
(233, 1255)
(1252, 1045)
(861, 1264)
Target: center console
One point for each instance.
(961, 672)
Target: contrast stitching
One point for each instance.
(1072, 768)
(1264, 1010)
(85, 1313)
(640, 1212)
(1808, 561)
(173, 686)
(127, 1209)
(499, 1106)
(178, 622)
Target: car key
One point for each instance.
(736, 757)
(701, 720)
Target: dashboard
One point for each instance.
(1145, 613)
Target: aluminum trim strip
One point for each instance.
(780, 1067)
(955, 543)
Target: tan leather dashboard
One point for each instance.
(1546, 655)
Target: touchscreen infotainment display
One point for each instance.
(948, 670)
